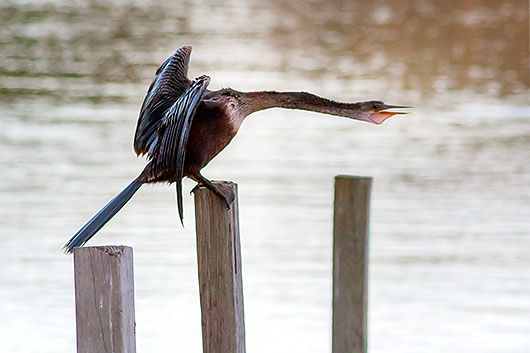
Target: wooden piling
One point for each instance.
(104, 297)
(219, 264)
(350, 264)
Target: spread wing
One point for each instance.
(170, 83)
(172, 135)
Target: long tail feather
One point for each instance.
(102, 217)
(180, 207)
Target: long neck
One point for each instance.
(256, 101)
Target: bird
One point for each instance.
(182, 126)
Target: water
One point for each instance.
(450, 227)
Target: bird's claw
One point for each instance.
(229, 199)
(195, 188)
(226, 194)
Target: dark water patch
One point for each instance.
(24, 73)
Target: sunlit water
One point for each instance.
(449, 260)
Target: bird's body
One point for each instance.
(182, 126)
(212, 130)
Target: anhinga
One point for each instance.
(183, 126)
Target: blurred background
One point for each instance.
(451, 198)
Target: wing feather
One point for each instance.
(174, 132)
(170, 83)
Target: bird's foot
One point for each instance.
(224, 192)
(195, 188)
(227, 195)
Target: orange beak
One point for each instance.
(379, 115)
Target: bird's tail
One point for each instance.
(103, 216)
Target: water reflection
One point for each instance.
(67, 52)
(450, 204)
(482, 45)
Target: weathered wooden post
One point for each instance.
(104, 298)
(220, 280)
(350, 263)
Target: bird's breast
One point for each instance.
(211, 131)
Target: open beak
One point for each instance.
(380, 115)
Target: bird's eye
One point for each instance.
(374, 106)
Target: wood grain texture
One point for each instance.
(219, 264)
(104, 296)
(350, 264)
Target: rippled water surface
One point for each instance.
(451, 199)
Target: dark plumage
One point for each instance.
(182, 126)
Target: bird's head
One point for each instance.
(375, 112)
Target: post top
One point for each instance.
(112, 250)
(221, 182)
(355, 177)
